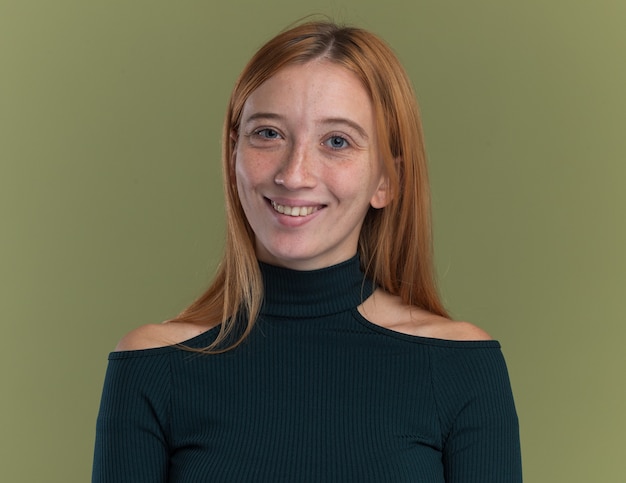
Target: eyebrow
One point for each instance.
(263, 115)
(328, 120)
(343, 120)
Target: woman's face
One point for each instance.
(307, 166)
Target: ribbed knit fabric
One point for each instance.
(316, 393)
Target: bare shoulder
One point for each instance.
(151, 336)
(454, 330)
(389, 312)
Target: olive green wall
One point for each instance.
(111, 214)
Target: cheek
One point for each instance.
(248, 170)
(242, 177)
(350, 184)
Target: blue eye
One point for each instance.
(267, 133)
(337, 142)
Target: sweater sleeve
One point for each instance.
(477, 412)
(131, 430)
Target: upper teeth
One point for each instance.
(294, 210)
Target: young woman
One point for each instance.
(321, 352)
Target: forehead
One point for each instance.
(318, 85)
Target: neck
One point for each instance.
(314, 293)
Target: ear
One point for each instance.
(234, 137)
(382, 196)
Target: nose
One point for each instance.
(297, 170)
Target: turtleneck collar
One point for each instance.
(315, 293)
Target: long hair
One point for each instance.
(395, 244)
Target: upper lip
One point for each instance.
(294, 203)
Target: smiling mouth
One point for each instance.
(294, 210)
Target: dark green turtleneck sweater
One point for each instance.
(316, 393)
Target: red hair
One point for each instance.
(395, 244)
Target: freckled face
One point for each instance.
(306, 165)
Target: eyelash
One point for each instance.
(263, 133)
(259, 132)
(346, 143)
